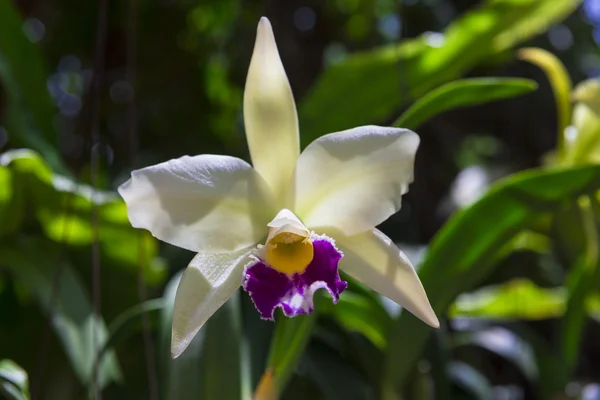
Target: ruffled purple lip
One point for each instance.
(269, 288)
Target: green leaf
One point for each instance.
(506, 345)
(64, 209)
(257, 340)
(370, 87)
(462, 93)
(580, 283)
(553, 376)
(14, 382)
(288, 344)
(210, 368)
(35, 263)
(128, 322)
(517, 299)
(11, 202)
(584, 144)
(561, 86)
(470, 379)
(29, 113)
(463, 253)
(334, 376)
(362, 314)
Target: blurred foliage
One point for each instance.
(14, 381)
(513, 272)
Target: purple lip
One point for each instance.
(269, 288)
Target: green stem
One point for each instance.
(289, 341)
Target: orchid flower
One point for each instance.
(281, 227)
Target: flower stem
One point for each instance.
(289, 341)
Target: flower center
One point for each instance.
(289, 253)
(289, 269)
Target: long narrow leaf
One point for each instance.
(559, 81)
(581, 283)
(463, 252)
(14, 382)
(462, 93)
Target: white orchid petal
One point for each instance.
(374, 260)
(354, 180)
(285, 217)
(286, 221)
(270, 114)
(207, 283)
(202, 203)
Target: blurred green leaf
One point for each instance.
(11, 202)
(288, 344)
(29, 113)
(210, 368)
(370, 87)
(362, 314)
(14, 382)
(462, 93)
(464, 251)
(581, 282)
(553, 375)
(517, 299)
(528, 240)
(439, 353)
(64, 209)
(470, 379)
(37, 265)
(505, 344)
(583, 144)
(561, 86)
(128, 322)
(334, 376)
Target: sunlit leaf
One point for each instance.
(582, 140)
(518, 299)
(64, 209)
(559, 81)
(464, 251)
(11, 202)
(462, 93)
(14, 382)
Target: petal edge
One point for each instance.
(354, 180)
(207, 283)
(270, 116)
(373, 259)
(202, 203)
